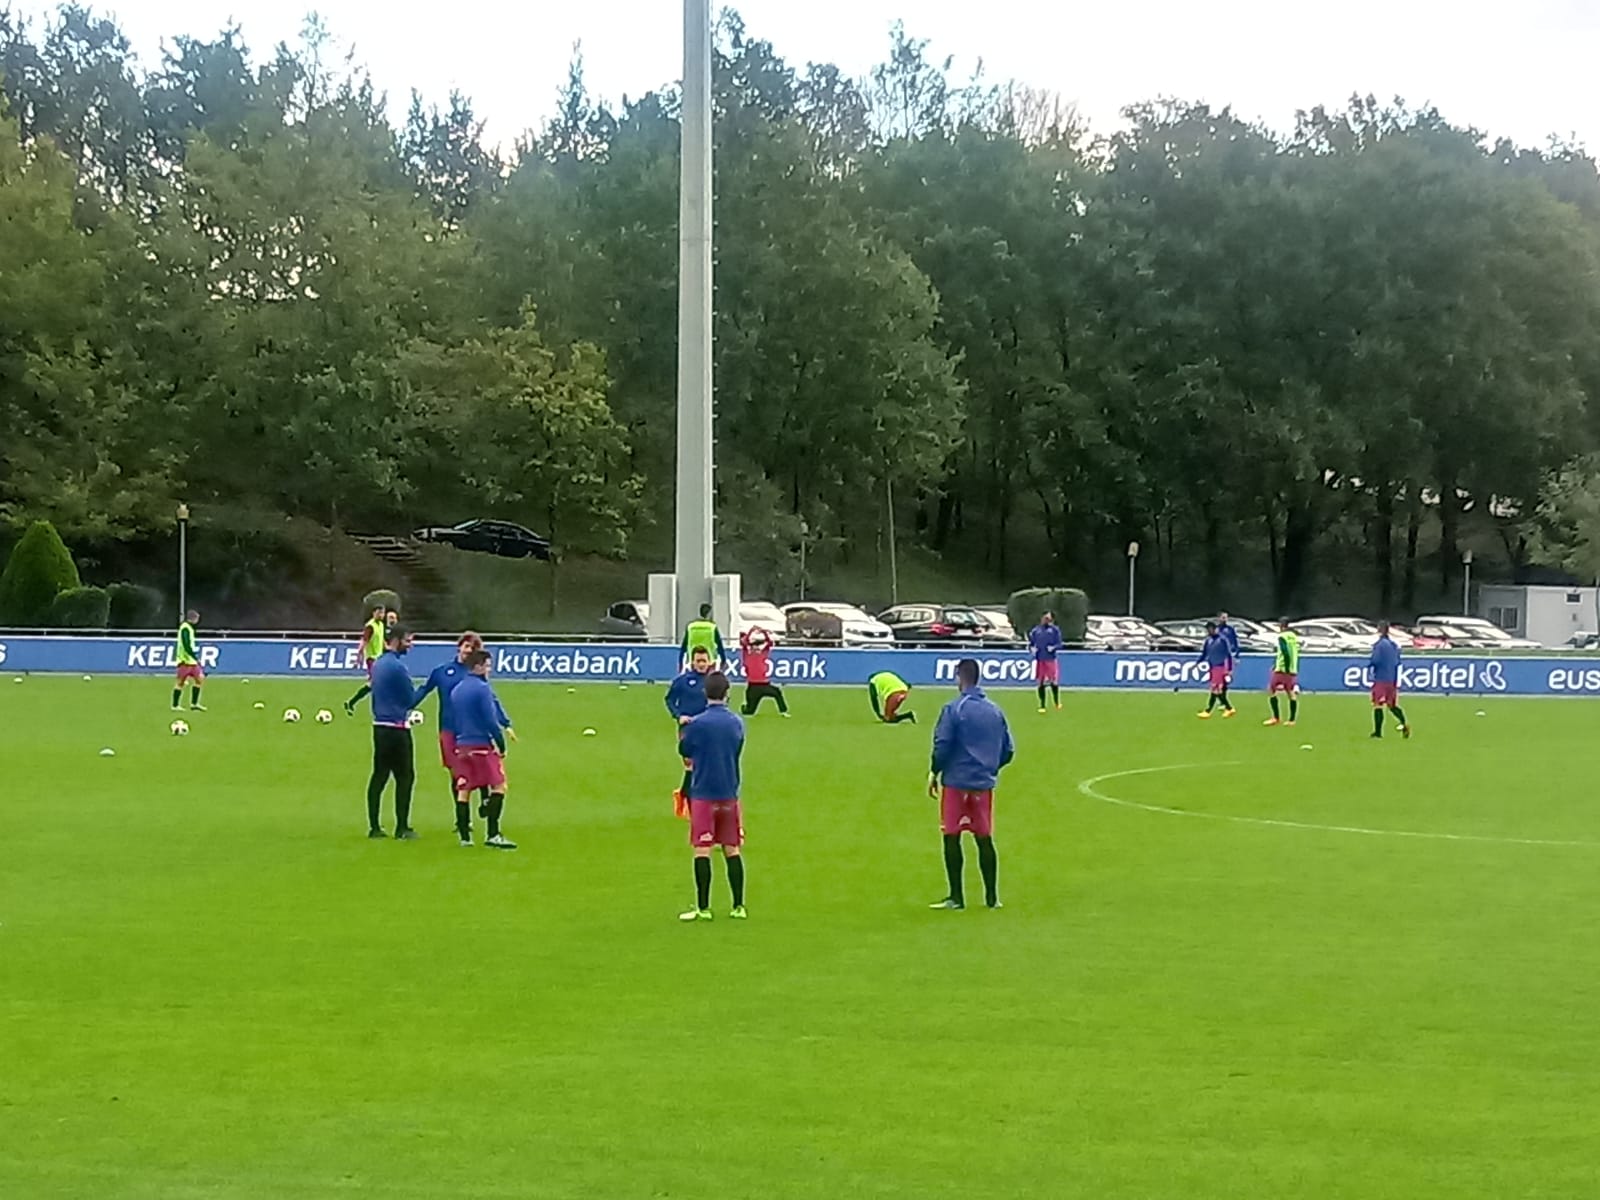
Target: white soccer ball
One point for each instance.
(291, 715)
(87, 678)
(180, 729)
(414, 717)
(324, 717)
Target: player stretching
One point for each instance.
(1045, 638)
(971, 743)
(714, 742)
(1385, 664)
(889, 693)
(373, 635)
(1218, 658)
(392, 752)
(188, 665)
(755, 656)
(1285, 674)
(686, 700)
(480, 752)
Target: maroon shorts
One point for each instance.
(892, 703)
(716, 823)
(479, 767)
(1219, 678)
(1282, 681)
(1047, 670)
(1385, 695)
(190, 671)
(966, 812)
(368, 667)
(447, 749)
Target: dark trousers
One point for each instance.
(755, 693)
(392, 754)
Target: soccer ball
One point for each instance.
(180, 728)
(414, 718)
(291, 715)
(323, 716)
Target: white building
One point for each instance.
(1547, 614)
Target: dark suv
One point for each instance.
(939, 625)
(504, 538)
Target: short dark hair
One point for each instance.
(967, 672)
(476, 659)
(705, 610)
(716, 686)
(1211, 626)
(395, 633)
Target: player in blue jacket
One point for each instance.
(686, 700)
(1218, 657)
(1385, 666)
(971, 744)
(713, 743)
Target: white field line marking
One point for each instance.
(1089, 787)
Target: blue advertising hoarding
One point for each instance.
(624, 662)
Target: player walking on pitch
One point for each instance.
(714, 743)
(392, 751)
(480, 752)
(189, 670)
(971, 744)
(373, 636)
(1285, 675)
(1218, 658)
(1045, 639)
(1385, 664)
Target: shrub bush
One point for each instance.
(390, 600)
(39, 569)
(1070, 606)
(80, 608)
(135, 606)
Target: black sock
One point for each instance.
(1211, 701)
(989, 864)
(463, 819)
(497, 805)
(702, 882)
(735, 863)
(783, 705)
(952, 865)
(177, 696)
(1377, 722)
(1273, 700)
(194, 695)
(1055, 694)
(1223, 696)
(1294, 708)
(1399, 714)
(362, 693)
(1041, 695)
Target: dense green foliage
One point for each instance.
(135, 606)
(1069, 607)
(80, 608)
(228, 992)
(39, 569)
(1287, 362)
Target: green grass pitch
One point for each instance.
(213, 986)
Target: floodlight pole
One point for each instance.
(1466, 584)
(692, 562)
(1133, 562)
(183, 562)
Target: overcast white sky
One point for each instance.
(1523, 68)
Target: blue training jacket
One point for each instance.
(443, 680)
(1385, 661)
(686, 697)
(477, 713)
(713, 742)
(392, 694)
(971, 743)
(1046, 642)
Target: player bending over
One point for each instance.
(714, 743)
(889, 693)
(1285, 679)
(1218, 657)
(971, 744)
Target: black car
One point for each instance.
(504, 538)
(939, 625)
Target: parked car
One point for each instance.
(1193, 630)
(1001, 631)
(1473, 633)
(631, 619)
(761, 614)
(1366, 630)
(1104, 632)
(1432, 638)
(504, 538)
(829, 620)
(937, 625)
(626, 619)
(1583, 641)
(1317, 638)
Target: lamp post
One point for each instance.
(1133, 561)
(183, 561)
(1466, 583)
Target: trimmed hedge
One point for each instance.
(39, 569)
(389, 600)
(135, 606)
(80, 608)
(1069, 605)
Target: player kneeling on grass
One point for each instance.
(480, 752)
(971, 743)
(713, 743)
(1218, 657)
(1285, 679)
(755, 656)
(889, 694)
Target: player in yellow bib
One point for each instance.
(372, 637)
(1285, 676)
(889, 693)
(188, 656)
